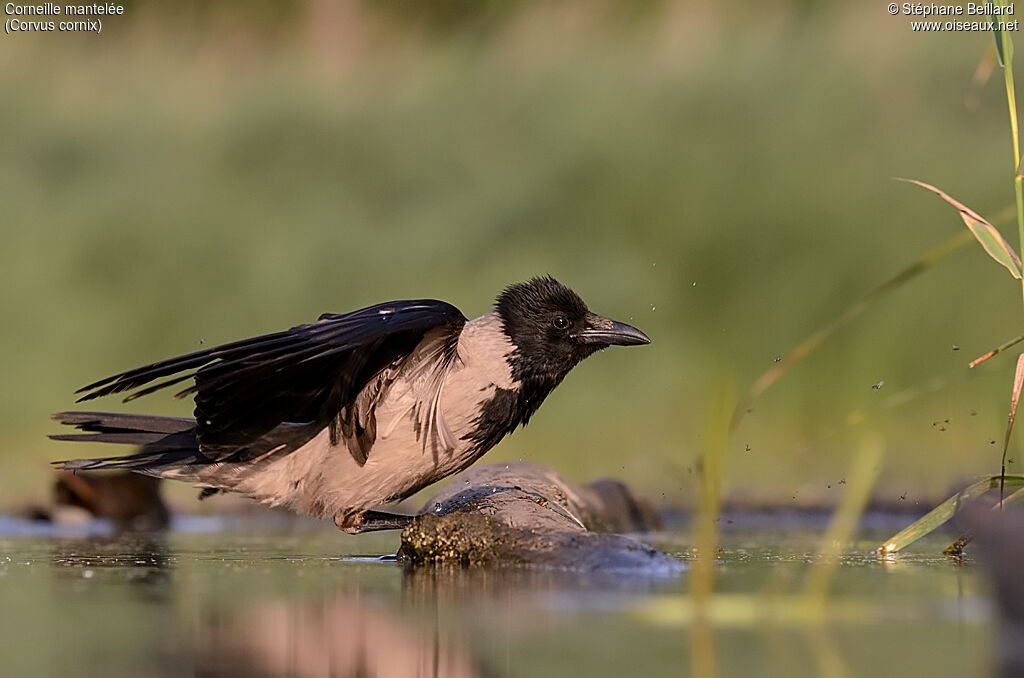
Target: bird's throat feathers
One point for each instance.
(507, 410)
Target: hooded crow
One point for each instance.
(340, 416)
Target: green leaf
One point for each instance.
(998, 35)
(984, 232)
(1007, 46)
(1004, 44)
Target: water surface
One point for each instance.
(253, 598)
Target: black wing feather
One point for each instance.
(308, 373)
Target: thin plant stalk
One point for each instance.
(820, 336)
(1005, 50)
(708, 510)
(996, 351)
(863, 473)
(1018, 383)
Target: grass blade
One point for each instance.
(1005, 52)
(710, 499)
(815, 340)
(709, 507)
(984, 232)
(1018, 382)
(863, 473)
(996, 351)
(1004, 45)
(939, 515)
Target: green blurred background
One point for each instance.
(719, 174)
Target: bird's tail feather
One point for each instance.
(168, 444)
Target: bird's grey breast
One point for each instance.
(440, 396)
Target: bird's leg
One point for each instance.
(371, 521)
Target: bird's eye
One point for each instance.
(560, 322)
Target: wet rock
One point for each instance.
(526, 514)
(614, 508)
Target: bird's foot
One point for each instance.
(371, 521)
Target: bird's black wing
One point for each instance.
(307, 374)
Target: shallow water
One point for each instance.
(230, 597)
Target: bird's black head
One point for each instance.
(553, 330)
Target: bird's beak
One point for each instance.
(610, 332)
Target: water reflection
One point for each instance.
(266, 603)
(371, 633)
(525, 586)
(339, 635)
